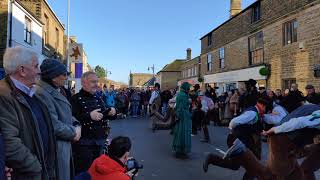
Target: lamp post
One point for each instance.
(107, 73)
(68, 36)
(152, 67)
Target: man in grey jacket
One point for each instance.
(66, 127)
(26, 127)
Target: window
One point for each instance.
(209, 62)
(256, 12)
(288, 82)
(27, 30)
(256, 49)
(46, 31)
(210, 39)
(290, 34)
(189, 72)
(221, 57)
(57, 38)
(195, 71)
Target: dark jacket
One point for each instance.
(107, 169)
(91, 131)
(166, 96)
(313, 98)
(2, 158)
(293, 100)
(24, 150)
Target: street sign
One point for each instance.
(75, 53)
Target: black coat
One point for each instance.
(91, 131)
(313, 98)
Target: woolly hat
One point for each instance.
(51, 68)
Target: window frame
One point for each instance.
(46, 31)
(256, 48)
(209, 40)
(290, 32)
(57, 38)
(27, 30)
(222, 58)
(209, 63)
(256, 12)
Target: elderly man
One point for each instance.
(93, 116)
(66, 128)
(25, 122)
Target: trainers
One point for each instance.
(237, 148)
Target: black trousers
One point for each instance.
(84, 155)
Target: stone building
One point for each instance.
(138, 79)
(190, 71)
(53, 29)
(170, 74)
(275, 42)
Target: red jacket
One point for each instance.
(105, 168)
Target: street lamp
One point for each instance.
(107, 73)
(152, 67)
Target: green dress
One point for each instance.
(182, 130)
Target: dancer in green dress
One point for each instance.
(182, 131)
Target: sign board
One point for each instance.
(75, 53)
(235, 76)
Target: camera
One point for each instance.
(133, 164)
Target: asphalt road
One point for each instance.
(154, 151)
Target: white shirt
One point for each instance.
(278, 113)
(248, 117)
(300, 123)
(154, 95)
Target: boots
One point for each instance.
(226, 162)
(219, 161)
(206, 134)
(252, 165)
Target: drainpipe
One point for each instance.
(10, 22)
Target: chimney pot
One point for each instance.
(189, 53)
(235, 7)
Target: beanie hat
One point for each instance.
(51, 68)
(185, 86)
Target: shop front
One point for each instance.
(192, 81)
(230, 80)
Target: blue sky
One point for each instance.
(124, 35)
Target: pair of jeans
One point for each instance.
(135, 108)
(164, 108)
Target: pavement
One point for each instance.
(153, 150)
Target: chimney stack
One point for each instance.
(235, 7)
(189, 54)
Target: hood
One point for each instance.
(104, 165)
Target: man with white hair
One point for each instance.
(24, 122)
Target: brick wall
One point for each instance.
(240, 25)
(290, 61)
(3, 28)
(169, 80)
(286, 62)
(139, 79)
(188, 65)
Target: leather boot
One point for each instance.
(252, 165)
(219, 161)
